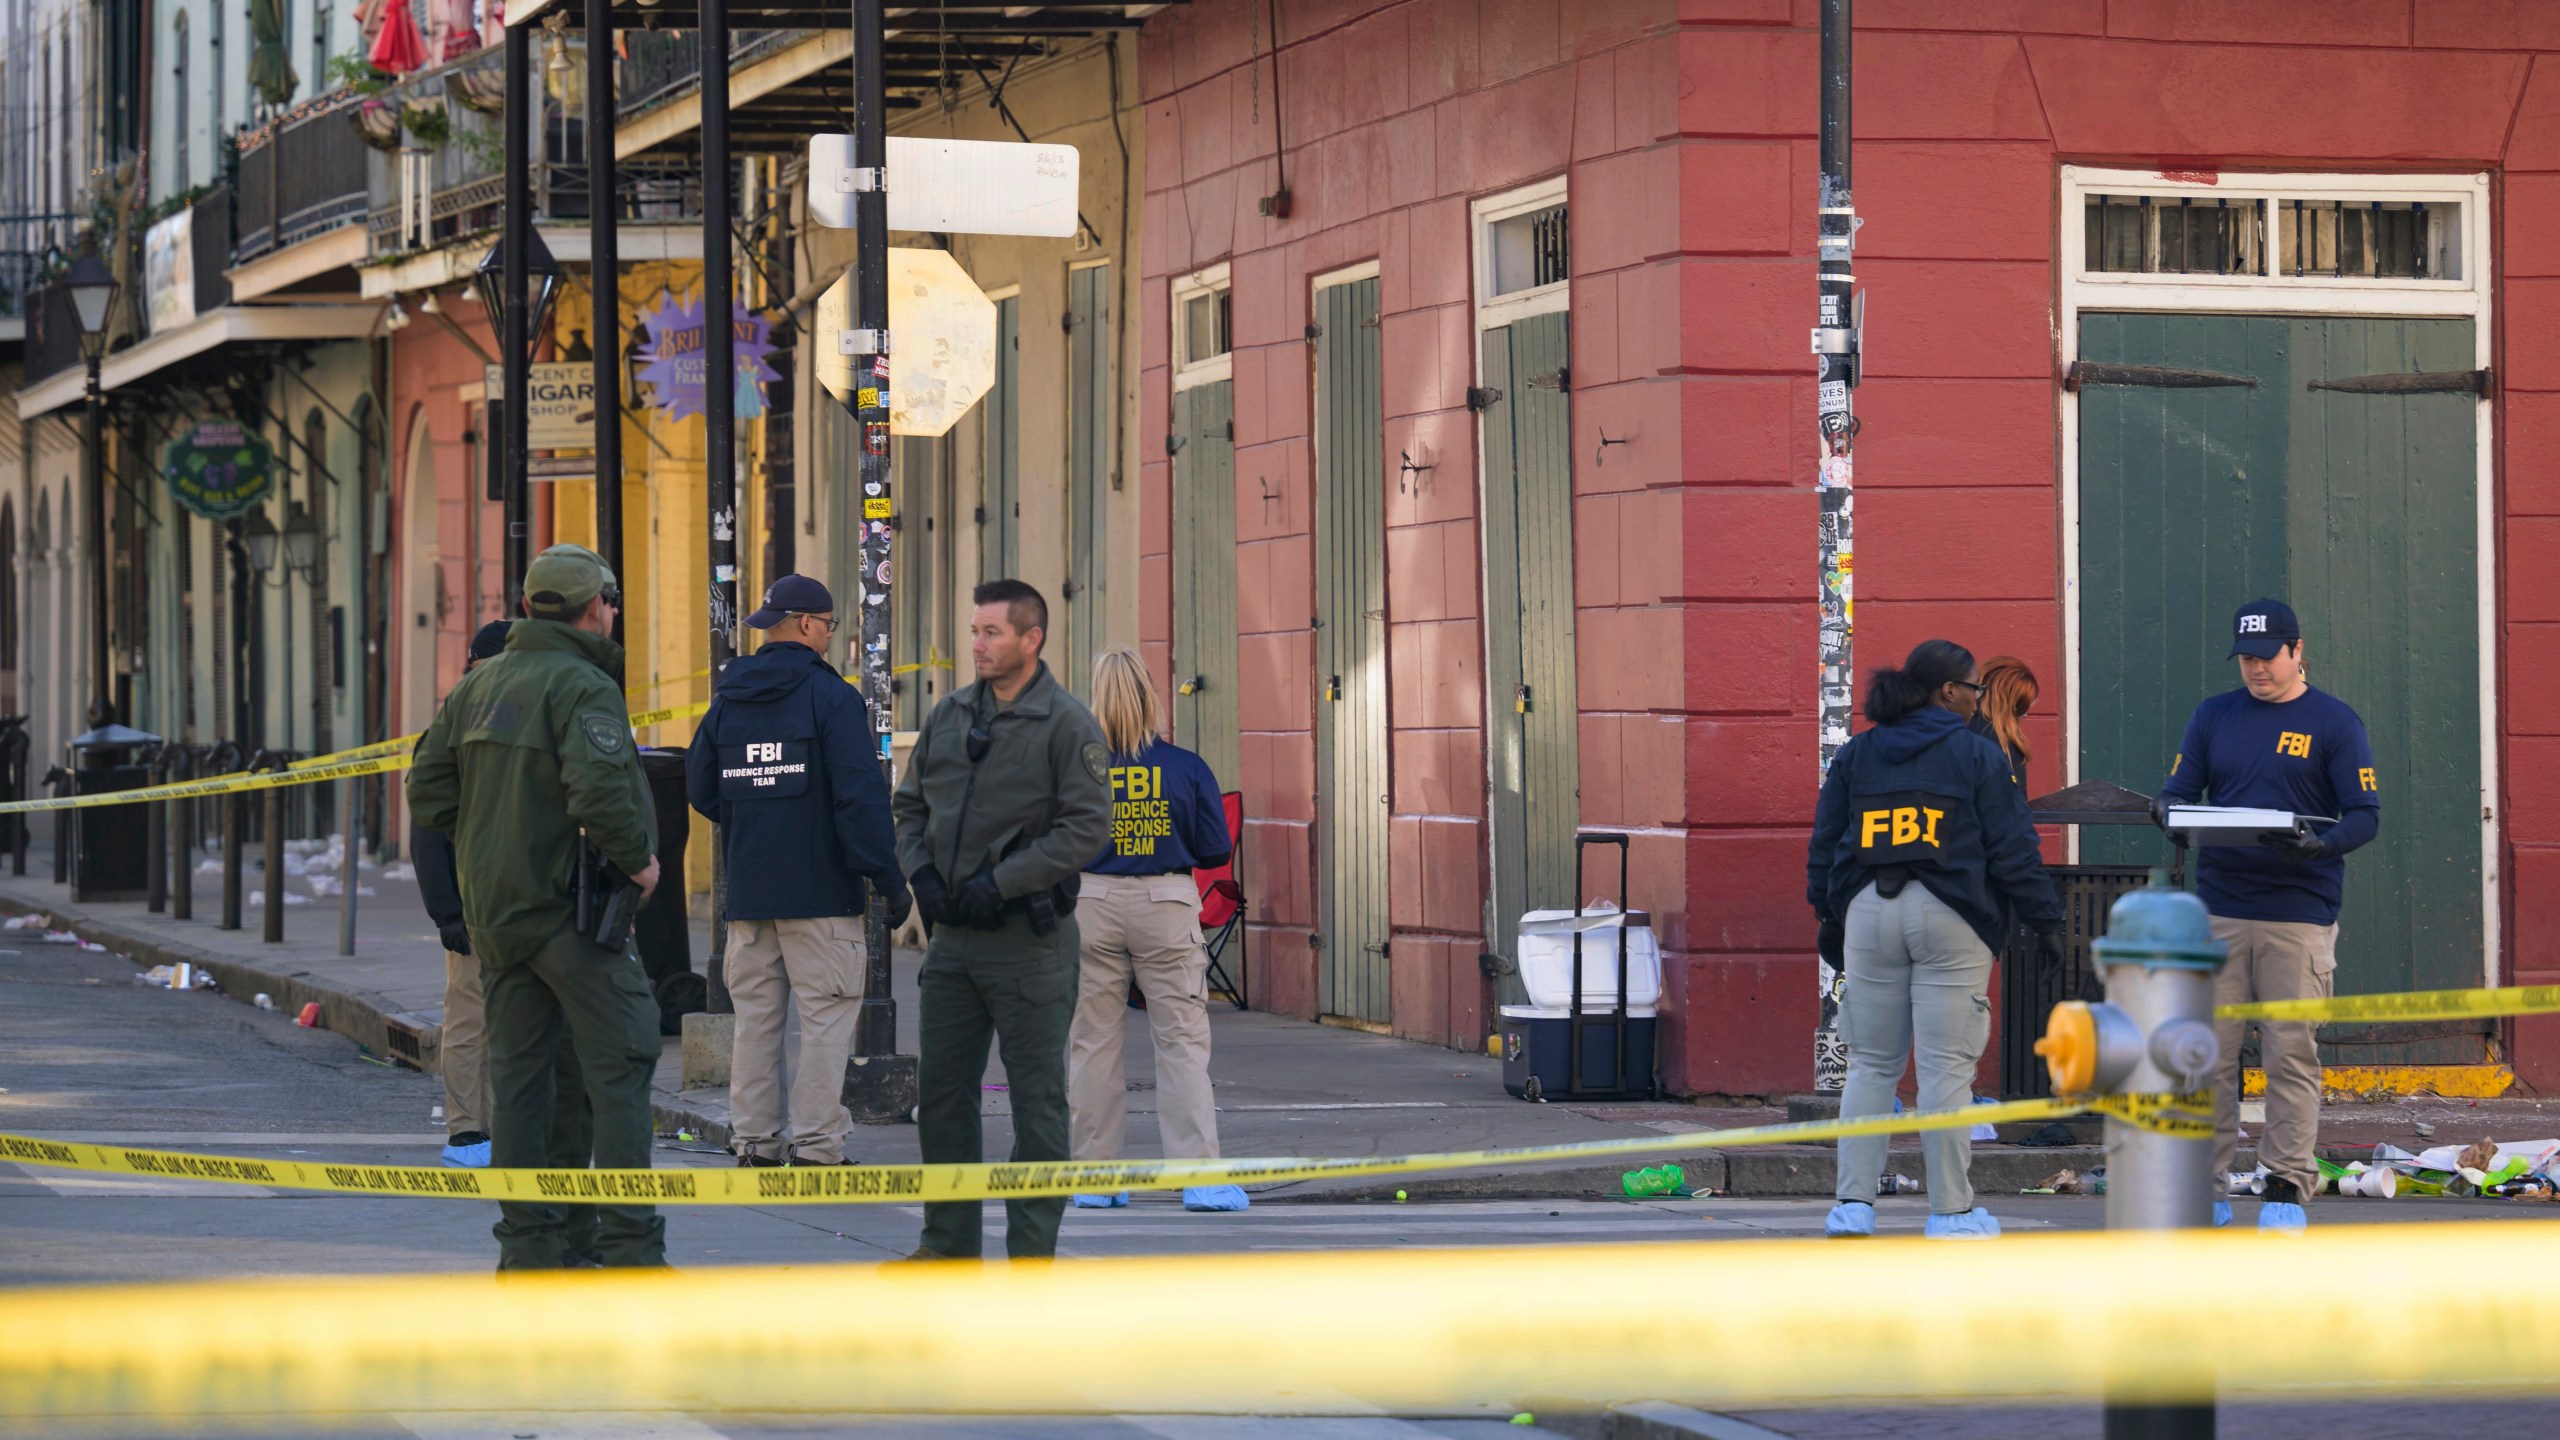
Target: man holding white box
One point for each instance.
(2279, 744)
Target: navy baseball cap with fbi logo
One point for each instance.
(2262, 628)
(791, 595)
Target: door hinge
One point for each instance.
(1481, 398)
(2157, 377)
(2416, 382)
(982, 514)
(1314, 331)
(1315, 941)
(1560, 378)
(1231, 431)
(1067, 589)
(1173, 444)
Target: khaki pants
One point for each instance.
(772, 964)
(2273, 960)
(464, 1050)
(1918, 976)
(1147, 928)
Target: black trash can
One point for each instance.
(110, 844)
(2028, 991)
(662, 932)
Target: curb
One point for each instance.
(1652, 1420)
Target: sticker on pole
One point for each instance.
(952, 187)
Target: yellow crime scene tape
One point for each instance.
(2136, 1317)
(380, 757)
(2405, 1005)
(2189, 1115)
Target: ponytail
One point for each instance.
(1892, 694)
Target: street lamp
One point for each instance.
(301, 540)
(258, 534)
(542, 278)
(93, 293)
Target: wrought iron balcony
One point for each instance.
(301, 174)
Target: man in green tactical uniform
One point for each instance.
(1004, 801)
(530, 750)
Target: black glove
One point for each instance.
(930, 896)
(1829, 941)
(896, 905)
(979, 905)
(2049, 951)
(2160, 811)
(456, 937)
(2305, 848)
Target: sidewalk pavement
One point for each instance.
(1284, 1087)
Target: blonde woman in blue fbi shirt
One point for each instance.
(1140, 913)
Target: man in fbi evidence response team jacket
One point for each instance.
(787, 764)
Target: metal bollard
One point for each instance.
(58, 781)
(2153, 1034)
(156, 865)
(182, 837)
(271, 927)
(224, 759)
(13, 773)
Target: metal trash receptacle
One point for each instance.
(662, 931)
(2027, 991)
(110, 844)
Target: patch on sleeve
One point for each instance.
(606, 735)
(1097, 762)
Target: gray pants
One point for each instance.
(1916, 974)
(2273, 960)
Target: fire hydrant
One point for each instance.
(2153, 1034)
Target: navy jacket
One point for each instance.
(1927, 794)
(1166, 814)
(786, 763)
(2308, 755)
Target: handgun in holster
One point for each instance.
(606, 900)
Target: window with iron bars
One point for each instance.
(1528, 251)
(2314, 238)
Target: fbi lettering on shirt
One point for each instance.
(1141, 814)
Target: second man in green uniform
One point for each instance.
(1004, 800)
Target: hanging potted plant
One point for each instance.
(378, 123)
(427, 121)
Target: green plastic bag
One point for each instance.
(1655, 1180)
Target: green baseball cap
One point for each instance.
(561, 580)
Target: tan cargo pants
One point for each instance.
(1146, 928)
(464, 1049)
(2273, 960)
(773, 964)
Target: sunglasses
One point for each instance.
(1976, 687)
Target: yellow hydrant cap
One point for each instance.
(2070, 1048)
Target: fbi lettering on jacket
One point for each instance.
(763, 768)
(1140, 813)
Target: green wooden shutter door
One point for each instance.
(2359, 510)
(1351, 656)
(1088, 467)
(1531, 709)
(915, 479)
(1204, 577)
(999, 490)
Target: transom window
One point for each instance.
(1524, 256)
(2281, 237)
(1203, 328)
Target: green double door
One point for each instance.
(1352, 977)
(2224, 458)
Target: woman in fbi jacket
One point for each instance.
(1919, 837)
(1139, 910)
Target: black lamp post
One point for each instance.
(541, 270)
(93, 292)
(538, 276)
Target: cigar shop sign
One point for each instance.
(219, 470)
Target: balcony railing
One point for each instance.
(663, 66)
(53, 334)
(301, 174)
(446, 180)
(26, 243)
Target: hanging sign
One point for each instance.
(674, 364)
(952, 187)
(560, 403)
(169, 272)
(219, 471)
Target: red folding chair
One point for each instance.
(1222, 908)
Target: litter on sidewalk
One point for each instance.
(181, 976)
(2507, 1170)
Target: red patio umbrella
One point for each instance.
(398, 48)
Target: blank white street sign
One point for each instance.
(953, 187)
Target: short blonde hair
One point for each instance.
(1126, 701)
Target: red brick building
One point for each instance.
(2305, 205)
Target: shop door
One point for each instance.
(998, 510)
(1204, 577)
(1532, 744)
(1351, 657)
(1088, 469)
(2230, 457)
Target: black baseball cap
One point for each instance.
(491, 639)
(791, 595)
(2262, 628)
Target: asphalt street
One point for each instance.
(87, 1053)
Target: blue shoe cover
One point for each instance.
(1850, 1220)
(1102, 1202)
(1215, 1197)
(467, 1157)
(1974, 1224)
(2282, 1217)
(2221, 1213)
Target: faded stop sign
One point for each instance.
(944, 355)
